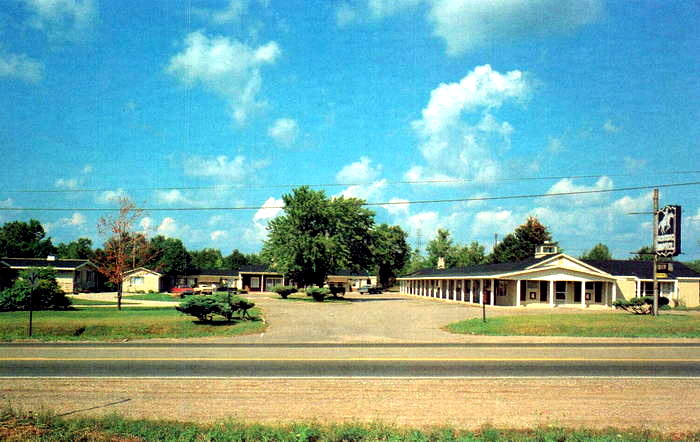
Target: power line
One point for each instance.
(386, 203)
(284, 186)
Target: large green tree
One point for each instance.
(207, 259)
(643, 254)
(390, 251)
(469, 254)
(415, 262)
(19, 239)
(235, 260)
(318, 235)
(81, 248)
(599, 252)
(441, 247)
(169, 255)
(521, 244)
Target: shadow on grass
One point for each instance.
(222, 322)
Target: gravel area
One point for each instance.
(665, 404)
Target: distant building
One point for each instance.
(72, 275)
(553, 279)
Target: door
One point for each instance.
(544, 290)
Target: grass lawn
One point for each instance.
(87, 324)
(153, 297)
(589, 325)
(28, 426)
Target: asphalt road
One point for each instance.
(351, 360)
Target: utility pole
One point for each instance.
(654, 228)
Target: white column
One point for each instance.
(517, 293)
(639, 288)
(493, 292)
(463, 288)
(583, 294)
(471, 291)
(551, 294)
(481, 292)
(614, 292)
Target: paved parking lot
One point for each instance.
(383, 318)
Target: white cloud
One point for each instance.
(67, 183)
(168, 227)
(146, 223)
(9, 202)
(455, 147)
(634, 164)
(608, 126)
(284, 131)
(270, 209)
(111, 196)
(218, 235)
(227, 67)
(398, 206)
(257, 233)
(345, 15)
(360, 171)
(566, 185)
(215, 219)
(173, 196)
(232, 13)
(21, 67)
(488, 222)
(367, 192)
(555, 145)
(77, 219)
(384, 8)
(237, 169)
(88, 168)
(467, 24)
(426, 223)
(63, 19)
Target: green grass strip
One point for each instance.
(15, 426)
(97, 324)
(584, 325)
(154, 297)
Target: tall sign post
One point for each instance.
(667, 238)
(654, 249)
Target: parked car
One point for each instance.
(370, 290)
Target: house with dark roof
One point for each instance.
(259, 278)
(551, 280)
(351, 280)
(72, 275)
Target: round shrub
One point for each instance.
(318, 293)
(284, 290)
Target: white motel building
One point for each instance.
(553, 279)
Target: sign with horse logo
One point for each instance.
(668, 231)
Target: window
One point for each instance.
(532, 285)
(666, 289)
(254, 282)
(560, 290)
(136, 280)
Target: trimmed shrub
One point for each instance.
(44, 291)
(284, 290)
(205, 307)
(643, 305)
(318, 293)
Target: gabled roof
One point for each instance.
(257, 269)
(363, 273)
(213, 272)
(61, 264)
(142, 269)
(477, 270)
(640, 269)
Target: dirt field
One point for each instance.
(666, 404)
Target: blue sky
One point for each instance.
(245, 97)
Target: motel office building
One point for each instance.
(553, 280)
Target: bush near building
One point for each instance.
(37, 286)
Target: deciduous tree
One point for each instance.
(599, 252)
(469, 255)
(441, 247)
(124, 248)
(390, 251)
(318, 235)
(169, 255)
(207, 259)
(78, 249)
(521, 244)
(19, 239)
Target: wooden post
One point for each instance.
(654, 224)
